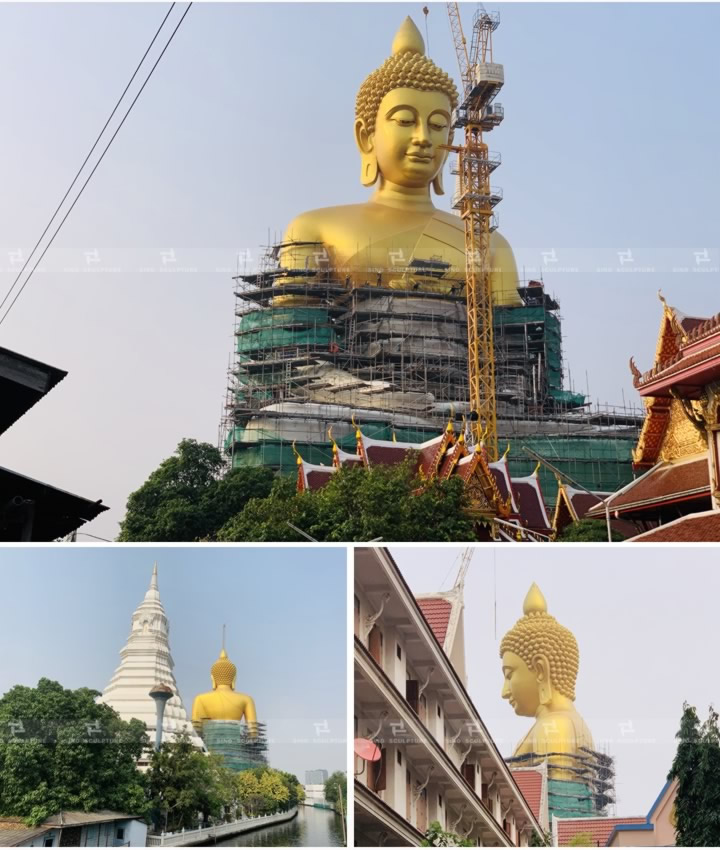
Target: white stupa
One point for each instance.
(146, 662)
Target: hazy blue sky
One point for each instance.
(609, 145)
(285, 611)
(646, 629)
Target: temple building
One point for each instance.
(676, 494)
(437, 760)
(146, 662)
(359, 314)
(656, 829)
(227, 721)
(502, 507)
(31, 510)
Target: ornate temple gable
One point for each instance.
(313, 476)
(530, 502)
(451, 459)
(485, 498)
(564, 514)
(432, 453)
(667, 431)
(501, 473)
(342, 458)
(383, 451)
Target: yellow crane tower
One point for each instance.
(481, 79)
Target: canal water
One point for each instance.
(311, 828)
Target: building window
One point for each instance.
(399, 652)
(120, 833)
(48, 842)
(399, 757)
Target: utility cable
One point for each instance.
(79, 171)
(102, 156)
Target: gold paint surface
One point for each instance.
(223, 702)
(540, 660)
(401, 149)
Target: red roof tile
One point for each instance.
(530, 784)
(695, 528)
(666, 482)
(437, 613)
(707, 356)
(599, 829)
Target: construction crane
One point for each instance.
(481, 79)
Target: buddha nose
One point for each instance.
(506, 689)
(422, 135)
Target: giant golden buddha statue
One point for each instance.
(540, 664)
(223, 703)
(403, 117)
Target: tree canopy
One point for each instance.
(187, 498)
(696, 767)
(334, 784)
(358, 504)
(59, 749)
(588, 531)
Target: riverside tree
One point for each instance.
(59, 749)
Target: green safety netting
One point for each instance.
(279, 327)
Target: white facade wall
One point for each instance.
(397, 666)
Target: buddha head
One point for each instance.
(223, 672)
(403, 115)
(539, 659)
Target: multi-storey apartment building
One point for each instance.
(438, 761)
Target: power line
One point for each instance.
(79, 171)
(102, 156)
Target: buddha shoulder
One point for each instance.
(321, 224)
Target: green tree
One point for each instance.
(696, 767)
(59, 749)
(437, 837)
(334, 784)
(186, 498)
(359, 504)
(183, 782)
(588, 531)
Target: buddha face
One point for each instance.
(409, 128)
(520, 685)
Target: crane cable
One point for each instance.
(102, 156)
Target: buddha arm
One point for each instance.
(250, 713)
(197, 714)
(311, 255)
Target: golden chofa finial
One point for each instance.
(408, 39)
(534, 601)
(298, 459)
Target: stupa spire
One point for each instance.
(146, 662)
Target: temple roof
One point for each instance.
(437, 612)
(530, 783)
(530, 503)
(313, 476)
(599, 829)
(695, 363)
(666, 482)
(695, 528)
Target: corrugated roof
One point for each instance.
(530, 784)
(19, 836)
(437, 613)
(599, 829)
(85, 818)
